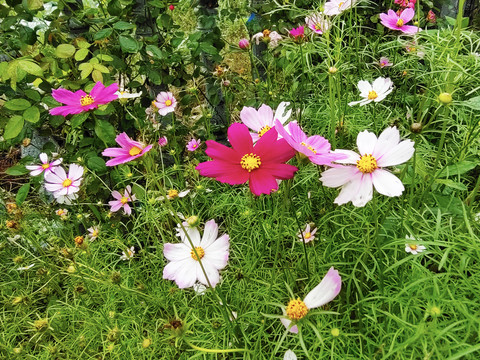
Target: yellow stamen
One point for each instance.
(95, 233)
(400, 22)
(309, 147)
(168, 102)
(367, 164)
(134, 151)
(263, 130)
(266, 33)
(250, 162)
(172, 193)
(45, 166)
(296, 309)
(67, 182)
(124, 200)
(413, 247)
(307, 235)
(372, 95)
(200, 252)
(86, 100)
(318, 26)
(340, 5)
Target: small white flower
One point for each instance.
(289, 355)
(93, 232)
(22, 268)
(376, 92)
(128, 255)
(414, 249)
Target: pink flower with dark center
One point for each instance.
(79, 101)
(165, 103)
(46, 166)
(384, 62)
(193, 145)
(129, 150)
(396, 22)
(260, 165)
(316, 147)
(121, 201)
(61, 184)
(297, 33)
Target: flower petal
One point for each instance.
(176, 252)
(324, 292)
(210, 233)
(339, 176)
(366, 142)
(183, 272)
(398, 154)
(386, 183)
(240, 138)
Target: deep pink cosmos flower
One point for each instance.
(395, 22)
(79, 101)
(431, 17)
(46, 166)
(122, 201)
(129, 150)
(297, 33)
(260, 165)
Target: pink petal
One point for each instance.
(119, 160)
(115, 205)
(262, 182)
(324, 292)
(221, 152)
(407, 15)
(224, 172)
(65, 96)
(364, 191)
(66, 110)
(240, 138)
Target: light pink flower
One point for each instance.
(128, 254)
(377, 91)
(46, 166)
(395, 22)
(63, 185)
(263, 119)
(193, 145)
(308, 234)
(357, 181)
(336, 7)
(165, 103)
(129, 150)
(163, 141)
(317, 23)
(270, 37)
(122, 201)
(184, 266)
(93, 232)
(384, 62)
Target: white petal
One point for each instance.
(182, 272)
(387, 140)
(289, 355)
(209, 233)
(176, 252)
(339, 176)
(324, 292)
(366, 142)
(280, 113)
(352, 156)
(398, 154)
(360, 102)
(193, 233)
(44, 158)
(75, 172)
(286, 322)
(386, 183)
(217, 253)
(365, 87)
(212, 274)
(349, 190)
(365, 191)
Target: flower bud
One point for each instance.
(244, 44)
(445, 98)
(332, 70)
(163, 141)
(416, 127)
(171, 7)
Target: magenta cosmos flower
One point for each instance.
(320, 295)
(297, 33)
(260, 165)
(263, 119)
(384, 62)
(121, 201)
(46, 165)
(129, 150)
(79, 101)
(165, 103)
(315, 147)
(61, 184)
(395, 22)
(184, 266)
(357, 181)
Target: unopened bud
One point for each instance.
(445, 98)
(416, 127)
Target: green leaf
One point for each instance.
(30, 67)
(81, 54)
(458, 169)
(17, 170)
(102, 34)
(32, 4)
(128, 44)
(14, 127)
(154, 51)
(32, 114)
(105, 131)
(473, 103)
(82, 44)
(104, 57)
(139, 191)
(65, 51)
(123, 25)
(86, 69)
(22, 194)
(452, 184)
(78, 119)
(97, 164)
(101, 68)
(208, 48)
(97, 76)
(17, 104)
(33, 95)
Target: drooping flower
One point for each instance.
(431, 17)
(397, 22)
(406, 3)
(244, 44)
(384, 62)
(193, 145)
(307, 235)
(315, 147)
(165, 103)
(93, 232)
(79, 101)
(184, 266)
(46, 165)
(377, 91)
(270, 37)
(320, 295)
(414, 249)
(61, 184)
(163, 141)
(357, 181)
(297, 33)
(128, 254)
(260, 165)
(121, 201)
(263, 119)
(335, 7)
(129, 150)
(317, 23)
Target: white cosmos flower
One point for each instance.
(365, 170)
(128, 254)
(318, 23)
(376, 92)
(184, 266)
(335, 7)
(263, 119)
(45, 167)
(289, 355)
(414, 249)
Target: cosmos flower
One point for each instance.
(397, 22)
(127, 95)
(317, 23)
(431, 17)
(45, 167)
(193, 145)
(165, 103)
(260, 165)
(357, 181)
(406, 3)
(270, 37)
(308, 234)
(93, 232)
(376, 92)
(297, 33)
(62, 212)
(414, 249)
(336, 7)
(384, 62)
(128, 254)
(122, 201)
(289, 355)
(263, 119)
(184, 266)
(129, 150)
(79, 101)
(320, 295)
(61, 184)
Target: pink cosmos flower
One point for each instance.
(63, 185)
(263, 119)
(46, 166)
(307, 235)
(260, 165)
(336, 7)
(243, 44)
(395, 22)
(297, 33)
(129, 150)
(193, 145)
(406, 3)
(323, 293)
(184, 266)
(163, 141)
(316, 147)
(165, 103)
(357, 181)
(270, 37)
(317, 23)
(79, 101)
(122, 201)
(384, 62)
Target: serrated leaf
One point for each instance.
(97, 164)
(81, 54)
(65, 51)
(105, 131)
(30, 67)
(17, 104)
(79, 119)
(22, 194)
(14, 127)
(101, 68)
(32, 114)
(97, 76)
(102, 34)
(17, 170)
(128, 44)
(123, 25)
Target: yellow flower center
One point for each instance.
(86, 100)
(153, 104)
(266, 33)
(296, 309)
(124, 200)
(95, 233)
(340, 5)
(45, 166)
(413, 247)
(200, 252)
(263, 130)
(309, 147)
(367, 164)
(67, 182)
(60, 212)
(168, 102)
(134, 151)
(79, 240)
(172, 193)
(307, 235)
(372, 95)
(400, 22)
(318, 26)
(250, 162)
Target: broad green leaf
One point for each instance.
(79, 119)
(139, 191)
(97, 76)
(32, 114)
(17, 104)
(123, 25)
(82, 44)
(101, 68)
(128, 44)
(65, 51)
(104, 57)
(17, 170)
(86, 69)
(105, 131)
(81, 54)
(14, 127)
(22, 194)
(458, 169)
(96, 164)
(473, 103)
(208, 48)
(154, 51)
(33, 95)
(102, 34)
(33, 4)
(30, 67)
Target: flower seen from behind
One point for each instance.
(397, 22)
(129, 150)
(431, 17)
(261, 165)
(377, 91)
(263, 119)
(184, 265)
(165, 103)
(121, 201)
(61, 184)
(79, 101)
(193, 145)
(307, 235)
(336, 7)
(45, 167)
(365, 170)
(317, 23)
